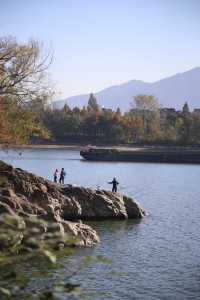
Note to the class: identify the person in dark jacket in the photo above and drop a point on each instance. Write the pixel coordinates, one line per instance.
(114, 183)
(62, 176)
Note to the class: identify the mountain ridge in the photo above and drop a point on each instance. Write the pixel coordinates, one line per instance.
(171, 91)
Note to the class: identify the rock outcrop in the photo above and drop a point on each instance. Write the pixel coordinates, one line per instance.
(26, 194)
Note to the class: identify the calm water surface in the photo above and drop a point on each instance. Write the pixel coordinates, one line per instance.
(155, 258)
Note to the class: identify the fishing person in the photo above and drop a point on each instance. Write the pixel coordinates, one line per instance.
(62, 176)
(114, 183)
(55, 176)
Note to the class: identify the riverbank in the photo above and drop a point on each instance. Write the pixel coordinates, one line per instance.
(67, 147)
(41, 146)
(101, 146)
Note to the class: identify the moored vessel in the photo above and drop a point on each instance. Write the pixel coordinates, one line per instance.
(143, 154)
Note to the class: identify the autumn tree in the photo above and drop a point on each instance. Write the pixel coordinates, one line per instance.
(24, 87)
(147, 107)
(23, 70)
(146, 102)
(133, 127)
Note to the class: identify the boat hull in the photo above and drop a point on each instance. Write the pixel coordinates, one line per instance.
(183, 156)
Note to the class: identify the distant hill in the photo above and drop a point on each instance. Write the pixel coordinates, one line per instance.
(171, 92)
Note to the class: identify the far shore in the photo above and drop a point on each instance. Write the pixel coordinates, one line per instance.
(63, 147)
(41, 146)
(79, 147)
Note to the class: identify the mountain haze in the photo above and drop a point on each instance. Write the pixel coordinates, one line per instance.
(171, 92)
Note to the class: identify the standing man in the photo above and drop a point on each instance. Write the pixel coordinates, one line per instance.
(62, 176)
(115, 183)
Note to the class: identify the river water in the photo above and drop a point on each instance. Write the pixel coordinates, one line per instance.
(155, 258)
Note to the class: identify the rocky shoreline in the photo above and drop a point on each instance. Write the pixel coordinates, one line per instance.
(26, 195)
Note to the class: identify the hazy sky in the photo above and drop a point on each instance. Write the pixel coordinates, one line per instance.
(98, 43)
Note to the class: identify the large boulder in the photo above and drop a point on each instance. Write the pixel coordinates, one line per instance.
(26, 194)
(88, 204)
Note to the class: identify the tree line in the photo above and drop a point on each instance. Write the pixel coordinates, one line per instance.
(25, 116)
(144, 123)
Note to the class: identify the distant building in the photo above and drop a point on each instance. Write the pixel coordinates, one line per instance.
(196, 111)
(166, 114)
(107, 110)
(168, 110)
(142, 112)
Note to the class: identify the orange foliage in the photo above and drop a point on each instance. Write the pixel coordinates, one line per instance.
(5, 135)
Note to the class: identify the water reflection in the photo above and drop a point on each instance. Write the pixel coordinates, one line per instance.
(116, 226)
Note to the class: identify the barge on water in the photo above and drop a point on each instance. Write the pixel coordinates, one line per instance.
(145, 154)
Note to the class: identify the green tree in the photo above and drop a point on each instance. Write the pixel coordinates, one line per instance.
(195, 130)
(92, 103)
(186, 109)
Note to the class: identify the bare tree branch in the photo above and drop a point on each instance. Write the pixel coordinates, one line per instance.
(23, 69)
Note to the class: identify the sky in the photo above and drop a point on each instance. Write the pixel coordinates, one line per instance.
(99, 43)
